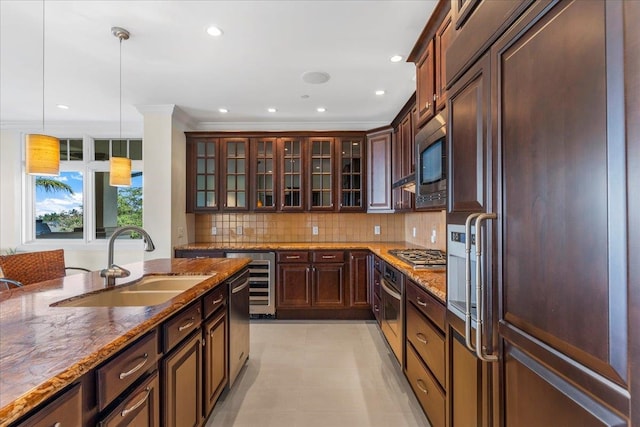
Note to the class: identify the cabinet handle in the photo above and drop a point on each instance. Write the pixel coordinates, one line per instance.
(138, 403)
(427, 105)
(293, 256)
(201, 257)
(467, 281)
(435, 96)
(328, 256)
(421, 338)
(186, 325)
(420, 302)
(136, 368)
(376, 308)
(218, 301)
(479, 290)
(422, 386)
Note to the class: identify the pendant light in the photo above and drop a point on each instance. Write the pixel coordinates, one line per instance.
(43, 151)
(120, 167)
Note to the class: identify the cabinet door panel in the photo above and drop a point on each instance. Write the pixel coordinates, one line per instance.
(321, 157)
(294, 287)
(65, 410)
(328, 285)
(468, 124)
(141, 408)
(292, 178)
(235, 173)
(351, 155)
(442, 40)
(182, 389)
(359, 279)
(425, 81)
(379, 177)
(264, 176)
(202, 178)
(215, 359)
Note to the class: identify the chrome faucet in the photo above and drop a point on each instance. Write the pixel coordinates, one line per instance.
(113, 271)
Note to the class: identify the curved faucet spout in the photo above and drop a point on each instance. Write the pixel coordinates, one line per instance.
(113, 271)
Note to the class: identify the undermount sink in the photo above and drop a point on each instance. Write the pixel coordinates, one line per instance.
(148, 291)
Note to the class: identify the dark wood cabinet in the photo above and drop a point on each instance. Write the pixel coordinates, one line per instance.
(294, 285)
(431, 397)
(461, 9)
(467, 145)
(292, 177)
(182, 385)
(321, 174)
(140, 407)
(359, 295)
(377, 265)
(264, 182)
(379, 166)
(403, 158)
(234, 174)
(215, 349)
(351, 174)
(425, 83)
(64, 410)
(328, 285)
(202, 174)
(442, 40)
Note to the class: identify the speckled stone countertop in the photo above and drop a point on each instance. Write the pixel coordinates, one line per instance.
(433, 280)
(44, 348)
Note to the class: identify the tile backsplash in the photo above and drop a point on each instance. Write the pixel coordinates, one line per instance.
(331, 227)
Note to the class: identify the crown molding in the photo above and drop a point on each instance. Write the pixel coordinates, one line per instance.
(288, 126)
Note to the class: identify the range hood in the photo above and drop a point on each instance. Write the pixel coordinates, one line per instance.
(407, 183)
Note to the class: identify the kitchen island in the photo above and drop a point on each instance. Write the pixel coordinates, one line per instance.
(43, 349)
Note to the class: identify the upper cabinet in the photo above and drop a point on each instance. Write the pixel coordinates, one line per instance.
(266, 173)
(379, 164)
(425, 83)
(442, 40)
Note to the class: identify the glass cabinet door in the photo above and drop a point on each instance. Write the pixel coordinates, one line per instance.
(235, 173)
(291, 174)
(321, 160)
(351, 174)
(263, 163)
(206, 156)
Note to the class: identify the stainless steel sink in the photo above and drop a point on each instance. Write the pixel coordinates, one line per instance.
(148, 291)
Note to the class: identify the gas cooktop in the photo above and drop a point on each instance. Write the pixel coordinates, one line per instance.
(421, 258)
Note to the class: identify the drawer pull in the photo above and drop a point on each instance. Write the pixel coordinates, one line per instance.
(186, 325)
(293, 257)
(420, 302)
(376, 308)
(136, 368)
(218, 301)
(421, 338)
(422, 386)
(328, 256)
(139, 403)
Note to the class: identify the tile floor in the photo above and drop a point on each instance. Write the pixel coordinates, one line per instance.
(307, 374)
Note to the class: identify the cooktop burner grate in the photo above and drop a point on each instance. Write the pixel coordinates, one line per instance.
(421, 258)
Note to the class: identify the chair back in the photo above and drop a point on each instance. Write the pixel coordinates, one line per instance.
(33, 267)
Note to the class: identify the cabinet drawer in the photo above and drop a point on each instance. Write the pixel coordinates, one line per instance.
(180, 326)
(378, 264)
(213, 300)
(429, 394)
(141, 407)
(428, 342)
(376, 283)
(124, 369)
(293, 256)
(428, 305)
(328, 256)
(63, 411)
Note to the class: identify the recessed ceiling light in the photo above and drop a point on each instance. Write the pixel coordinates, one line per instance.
(62, 106)
(321, 109)
(223, 110)
(214, 31)
(271, 110)
(395, 58)
(379, 92)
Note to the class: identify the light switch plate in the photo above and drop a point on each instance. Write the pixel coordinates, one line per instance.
(376, 229)
(314, 230)
(214, 231)
(239, 230)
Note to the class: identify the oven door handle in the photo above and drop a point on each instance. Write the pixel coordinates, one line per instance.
(467, 287)
(479, 290)
(390, 291)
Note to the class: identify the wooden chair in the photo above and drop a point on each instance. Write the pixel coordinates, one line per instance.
(22, 269)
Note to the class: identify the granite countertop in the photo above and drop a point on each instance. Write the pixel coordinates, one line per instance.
(432, 280)
(43, 348)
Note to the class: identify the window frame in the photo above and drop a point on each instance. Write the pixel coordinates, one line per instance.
(88, 167)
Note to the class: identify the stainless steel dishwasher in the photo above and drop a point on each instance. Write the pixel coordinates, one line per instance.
(238, 324)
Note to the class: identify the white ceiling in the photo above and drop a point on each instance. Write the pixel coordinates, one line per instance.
(170, 59)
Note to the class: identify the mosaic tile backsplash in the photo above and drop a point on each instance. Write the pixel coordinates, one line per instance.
(299, 227)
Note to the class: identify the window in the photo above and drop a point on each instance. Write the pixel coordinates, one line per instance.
(79, 204)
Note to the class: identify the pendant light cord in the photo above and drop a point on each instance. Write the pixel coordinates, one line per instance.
(120, 89)
(43, 131)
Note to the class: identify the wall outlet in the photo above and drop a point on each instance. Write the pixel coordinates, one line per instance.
(314, 230)
(434, 235)
(413, 232)
(239, 230)
(214, 231)
(376, 229)
(180, 232)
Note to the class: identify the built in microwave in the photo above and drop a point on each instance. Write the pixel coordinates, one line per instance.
(431, 163)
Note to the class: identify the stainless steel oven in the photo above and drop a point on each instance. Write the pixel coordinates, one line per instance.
(392, 313)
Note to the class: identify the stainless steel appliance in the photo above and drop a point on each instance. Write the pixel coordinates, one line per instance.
(421, 258)
(391, 310)
(431, 163)
(261, 282)
(238, 324)
(458, 258)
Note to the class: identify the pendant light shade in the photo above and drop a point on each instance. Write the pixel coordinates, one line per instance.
(42, 151)
(43, 155)
(120, 172)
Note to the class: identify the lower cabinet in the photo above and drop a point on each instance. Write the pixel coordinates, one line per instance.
(64, 410)
(140, 408)
(215, 345)
(181, 385)
(358, 279)
(426, 388)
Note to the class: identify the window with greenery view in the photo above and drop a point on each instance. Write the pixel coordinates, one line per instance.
(80, 203)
